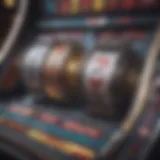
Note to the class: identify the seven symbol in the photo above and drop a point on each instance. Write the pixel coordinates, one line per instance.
(102, 61)
(97, 78)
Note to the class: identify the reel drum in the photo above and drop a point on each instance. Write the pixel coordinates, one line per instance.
(59, 76)
(32, 63)
(110, 77)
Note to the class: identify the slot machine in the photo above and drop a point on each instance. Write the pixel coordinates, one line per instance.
(79, 79)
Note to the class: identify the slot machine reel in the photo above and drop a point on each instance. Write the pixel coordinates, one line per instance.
(72, 74)
(31, 63)
(53, 72)
(110, 77)
(61, 71)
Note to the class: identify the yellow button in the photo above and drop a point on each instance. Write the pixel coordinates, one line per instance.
(64, 146)
(36, 135)
(72, 148)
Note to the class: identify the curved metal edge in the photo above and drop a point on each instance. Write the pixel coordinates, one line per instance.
(16, 28)
(138, 104)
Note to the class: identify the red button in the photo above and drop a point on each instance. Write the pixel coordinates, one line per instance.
(48, 118)
(79, 128)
